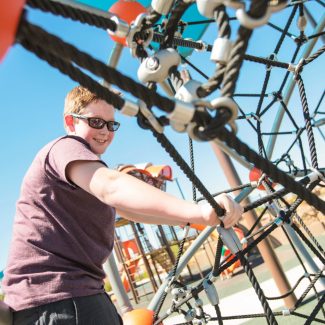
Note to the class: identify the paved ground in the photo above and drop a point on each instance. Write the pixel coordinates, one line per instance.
(237, 296)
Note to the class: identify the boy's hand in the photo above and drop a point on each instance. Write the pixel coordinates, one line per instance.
(233, 211)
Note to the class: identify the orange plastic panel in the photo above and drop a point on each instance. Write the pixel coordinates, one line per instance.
(254, 175)
(138, 317)
(163, 171)
(127, 11)
(10, 12)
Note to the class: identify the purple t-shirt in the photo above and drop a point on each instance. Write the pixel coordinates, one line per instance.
(62, 235)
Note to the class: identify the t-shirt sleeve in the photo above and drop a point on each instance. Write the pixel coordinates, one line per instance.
(65, 151)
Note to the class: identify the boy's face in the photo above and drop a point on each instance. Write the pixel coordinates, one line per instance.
(98, 139)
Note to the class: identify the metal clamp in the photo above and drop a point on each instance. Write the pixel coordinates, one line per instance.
(230, 239)
(122, 28)
(190, 315)
(130, 108)
(183, 112)
(150, 117)
(221, 50)
(179, 293)
(204, 47)
(301, 23)
(187, 92)
(230, 104)
(211, 292)
(207, 7)
(249, 22)
(136, 27)
(162, 7)
(156, 68)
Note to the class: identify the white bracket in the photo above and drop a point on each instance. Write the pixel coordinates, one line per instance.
(156, 68)
(230, 239)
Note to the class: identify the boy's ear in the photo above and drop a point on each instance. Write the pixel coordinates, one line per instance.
(69, 122)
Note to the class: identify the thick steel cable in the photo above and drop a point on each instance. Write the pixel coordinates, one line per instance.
(309, 129)
(74, 73)
(75, 14)
(309, 244)
(224, 32)
(266, 166)
(315, 55)
(267, 309)
(309, 233)
(172, 23)
(302, 265)
(257, 9)
(316, 310)
(311, 285)
(70, 53)
(171, 150)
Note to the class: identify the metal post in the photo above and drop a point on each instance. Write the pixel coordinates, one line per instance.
(310, 262)
(122, 298)
(289, 90)
(264, 246)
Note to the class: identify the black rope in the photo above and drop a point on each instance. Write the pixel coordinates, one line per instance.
(215, 80)
(309, 244)
(161, 138)
(267, 309)
(172, 22)
(309, 129)
(75, 14)
(60, 48)
(267, 167)
(75, 74)
(257, 9)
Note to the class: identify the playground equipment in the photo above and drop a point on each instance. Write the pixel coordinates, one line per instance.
(137, 255)
(193, 112)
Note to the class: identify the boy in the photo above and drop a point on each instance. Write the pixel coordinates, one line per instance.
(64, 225)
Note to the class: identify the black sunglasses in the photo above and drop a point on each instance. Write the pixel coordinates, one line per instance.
(99, 123)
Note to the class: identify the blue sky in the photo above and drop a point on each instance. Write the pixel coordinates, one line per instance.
(32, 96)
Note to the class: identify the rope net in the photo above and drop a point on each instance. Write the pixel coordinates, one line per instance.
(282, 139)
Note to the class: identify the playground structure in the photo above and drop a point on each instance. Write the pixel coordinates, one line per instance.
(136, 254)
(213, 120)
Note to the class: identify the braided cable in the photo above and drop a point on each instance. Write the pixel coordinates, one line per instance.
(267, 167)
(74, 73)
(309, 233)
(315, 55)
(309, 244)
(215, 80)
(311, 284)
(267, 309)
(75, 14)
(309, 129)
(190, 142)
(257, 9)
(161, 138)
(313, 314)
(171, 26)
(111, 75)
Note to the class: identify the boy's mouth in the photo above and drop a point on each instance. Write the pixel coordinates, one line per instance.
(101, 141)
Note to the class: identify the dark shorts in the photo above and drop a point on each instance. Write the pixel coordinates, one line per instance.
(90, 310)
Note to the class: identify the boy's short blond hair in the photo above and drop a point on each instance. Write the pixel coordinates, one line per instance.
(77, 99)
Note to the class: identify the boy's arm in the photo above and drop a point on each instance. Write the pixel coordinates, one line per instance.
(127, 193)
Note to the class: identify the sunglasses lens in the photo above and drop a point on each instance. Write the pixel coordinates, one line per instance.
(96, 123)
(113, 126)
